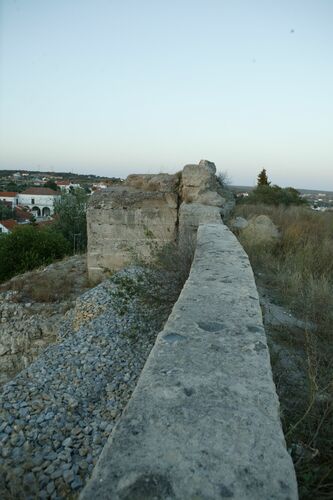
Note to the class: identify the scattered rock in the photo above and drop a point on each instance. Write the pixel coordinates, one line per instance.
(57, 414)
(27, 327)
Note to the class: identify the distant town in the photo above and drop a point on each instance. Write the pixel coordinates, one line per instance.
(27, 196)
(31, 196)
(317, 200)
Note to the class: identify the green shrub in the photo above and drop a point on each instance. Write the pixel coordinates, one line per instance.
(5, 212)
(71, 219)
(274, 195)
(28, 247)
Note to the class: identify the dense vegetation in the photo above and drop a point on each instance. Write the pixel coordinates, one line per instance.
(51, 184)
(5, 212)
(265, 193)
(71, 219)
(298, 271)
(274, 195)
(29, 246)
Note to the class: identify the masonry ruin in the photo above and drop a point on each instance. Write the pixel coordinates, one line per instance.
(149, 210)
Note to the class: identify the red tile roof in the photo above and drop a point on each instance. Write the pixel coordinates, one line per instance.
(21, 213)
(9, 223)
(42, 190)
(7, 194)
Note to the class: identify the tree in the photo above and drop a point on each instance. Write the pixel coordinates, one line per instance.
(12, 186)
(71, 218)
(51, 185)
(5, 212)
(274, 195)
(224, 179)
(262, 179)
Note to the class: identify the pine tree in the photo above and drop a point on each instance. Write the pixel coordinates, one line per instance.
(262, 179)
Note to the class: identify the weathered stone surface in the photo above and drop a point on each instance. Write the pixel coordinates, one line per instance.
(191, 215)
(124, 222)
(210, 198)
(129, 220)
(199, 184)
(127, 196)
(203, 421)
(261, 229)
(165, 183)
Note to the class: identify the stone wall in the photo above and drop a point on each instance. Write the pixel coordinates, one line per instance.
(203, 421)
(149, 210)
(124, 222)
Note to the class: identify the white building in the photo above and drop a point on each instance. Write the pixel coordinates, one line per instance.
(67, 185)
(99, 186)
(40, 201)
(8, 196)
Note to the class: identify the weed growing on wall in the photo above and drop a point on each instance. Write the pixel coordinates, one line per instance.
(28, 247)
(152, 287)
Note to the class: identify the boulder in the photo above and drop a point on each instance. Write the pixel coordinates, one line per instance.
(239, 223)
(199, 184)
(261, 229)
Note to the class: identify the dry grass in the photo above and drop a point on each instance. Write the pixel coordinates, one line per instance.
(300, 264)
(59, 282)
(299, 270)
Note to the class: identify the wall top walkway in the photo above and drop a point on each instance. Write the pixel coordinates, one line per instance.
(203, 421)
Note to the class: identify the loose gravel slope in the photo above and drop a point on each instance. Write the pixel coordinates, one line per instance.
(56, 415)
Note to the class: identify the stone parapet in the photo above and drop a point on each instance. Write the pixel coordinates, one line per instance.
(203, 421)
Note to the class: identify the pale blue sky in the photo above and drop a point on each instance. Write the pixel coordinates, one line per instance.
(116, 87)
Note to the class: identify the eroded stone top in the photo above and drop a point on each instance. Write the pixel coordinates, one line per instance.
(200, 185)
(128, 196)
(165, 183)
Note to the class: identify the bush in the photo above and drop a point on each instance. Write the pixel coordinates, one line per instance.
(274, 195)
(28, 247)
(5, 212)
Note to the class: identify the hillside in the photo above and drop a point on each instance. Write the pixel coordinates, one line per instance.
(32, 306)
